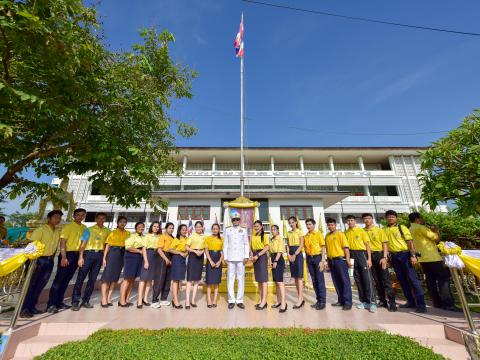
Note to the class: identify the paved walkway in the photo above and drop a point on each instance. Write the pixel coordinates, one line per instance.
(69, 325)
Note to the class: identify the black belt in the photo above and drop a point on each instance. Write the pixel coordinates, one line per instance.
(117, 247)
(314, 255)
(94, 251)
(214, 251)
(338, 258)
(47, 257)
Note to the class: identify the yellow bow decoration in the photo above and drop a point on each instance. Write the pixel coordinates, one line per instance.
(33, 251)
(457, 250)
(472, 264)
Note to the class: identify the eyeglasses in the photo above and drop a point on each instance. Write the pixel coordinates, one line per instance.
(235, 219)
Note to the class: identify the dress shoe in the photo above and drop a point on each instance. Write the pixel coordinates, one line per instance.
(209, 306)
(63, 306)
(241, 305)
(187, 307)
(123, 305)
(337, 304)
(299, 306)
(231, 305)
(194, 305)
(52, 309)
(146, 303)
(87, 305)
(35, 311)
(261, 307)
(277, 305)
(26, 314)
(407, 306)
(382, 304)
(320, 306)
(75, 307)
(421, 310)
(110, 304)
(104, 305)
(284, 309)
(139, 306)
(347, 307)
(314, 306)
(180, 306)
(392, 307)
(214, 305)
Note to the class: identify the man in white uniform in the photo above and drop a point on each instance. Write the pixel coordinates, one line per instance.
(236, 250)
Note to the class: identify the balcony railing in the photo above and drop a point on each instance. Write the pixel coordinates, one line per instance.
(261, 173)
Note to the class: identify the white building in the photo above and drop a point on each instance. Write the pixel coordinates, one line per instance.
(305, 182)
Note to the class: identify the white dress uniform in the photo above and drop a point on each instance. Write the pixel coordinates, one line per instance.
(236, 248)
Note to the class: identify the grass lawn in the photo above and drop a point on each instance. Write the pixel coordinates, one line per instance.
(255, 343)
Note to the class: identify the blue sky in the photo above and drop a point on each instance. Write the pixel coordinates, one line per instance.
(314, 80)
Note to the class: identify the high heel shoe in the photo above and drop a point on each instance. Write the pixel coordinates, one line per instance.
(146, 303)
(104, 306)
(261, 307)
(139, 306)
(299, 306)
(180, 306)
(187, 307)
(194, 305)
(284, 309)
(123, 305)
(277, 305)
(109, 304)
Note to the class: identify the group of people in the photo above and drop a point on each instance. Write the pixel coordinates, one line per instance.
(162, 260)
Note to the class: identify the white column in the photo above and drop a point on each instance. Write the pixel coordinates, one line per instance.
(272, 163)
(184, 166)
(330, 161)
(302, 165)
(391, 161)
(360, 163)
(214, 163)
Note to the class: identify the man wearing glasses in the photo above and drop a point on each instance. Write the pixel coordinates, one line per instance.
(236, 250)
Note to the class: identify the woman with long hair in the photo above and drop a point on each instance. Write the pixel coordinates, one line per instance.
(179, 264)
(150, 263)
(196, 249)
(295, 257)
(113, 260)
(259, 248)
(277, 248)
(214, 254)
(134, 246)
(161, 284)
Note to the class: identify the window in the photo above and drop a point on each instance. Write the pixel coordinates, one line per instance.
(372, 166)
(287, 167)
(355, 190)
(289, 187)
(134, 217)
(347, 166)
(195, 212)
(316, 167)
(199, 166)
(319, 188)
(258, 166)
(383, 191)
(197, 187)
(258, 187)
(91, 216)
(300, 212)
(168, 188)
(227, 166)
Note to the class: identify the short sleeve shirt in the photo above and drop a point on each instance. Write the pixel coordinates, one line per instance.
(134, 241)
(213, 243)
(164, 241)
(336, 243)
(377, 238)
(277, 245)
(150, 241)
(72, 233)
(179, 244)
(357, 237)
(425, 241)
(294, 237)
(313, 243)
(95, 237)
(397, 242)
(258, 243)
(117, 237)
(196, 241)
(48, 237)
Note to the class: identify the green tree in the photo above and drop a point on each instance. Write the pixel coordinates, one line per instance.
(68, 104)
(19, 219)
(451, 168)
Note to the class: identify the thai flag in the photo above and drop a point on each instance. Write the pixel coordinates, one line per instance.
(190, 226)
(238, 43)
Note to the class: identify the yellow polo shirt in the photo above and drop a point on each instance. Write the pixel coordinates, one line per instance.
(196, 241)
(179, 244)
(396, 242)
(425, 241)
(294, 237)
(48, 237)
(336, 243)
(72, 233)
(258, 243)
(134, 241)
(377, 237)
(117, 237)
(277, 245)
(313, 243)
(164, 241)
(150, 241)
(357, 237)
(95, 237)
(213, 243)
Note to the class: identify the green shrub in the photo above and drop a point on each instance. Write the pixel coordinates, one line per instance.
(254, 343)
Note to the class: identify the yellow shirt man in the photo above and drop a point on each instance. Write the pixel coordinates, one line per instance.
(277, 245)
(196, 241)
(357, 237)
(397, 242)
(213, 243)
(313, 243)
(95, 237)
(377, 238)
(258, 243)
(425, 241)
(72, 233)
(47, 236)
(117, 238)
(336, 242)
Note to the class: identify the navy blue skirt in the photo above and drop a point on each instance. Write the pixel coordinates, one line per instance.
(277, 273)
(133, 263)
(214, 275)
(260, 267)
(194, 267)
(296, 268)
(114, 264)
(153, 259)
(179, 267)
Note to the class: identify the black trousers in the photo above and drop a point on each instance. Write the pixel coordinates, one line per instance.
(437, 278)
(62, 278)
(161, 284)
(381, 276)
(362, 276)
(91, 267)
(39, 280)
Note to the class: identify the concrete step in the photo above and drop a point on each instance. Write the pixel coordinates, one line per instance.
(80, 329)
(37, 345)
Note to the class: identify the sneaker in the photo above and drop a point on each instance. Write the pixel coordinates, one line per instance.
(231, 305)
(362, 306)
(165, 303)
(52, 309)
(75, 307)
(87, 305)
(372, 308)
(63, 306)
(156, 305)
(382, 304)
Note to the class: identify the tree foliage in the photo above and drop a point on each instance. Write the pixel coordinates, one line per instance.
(451, 168)
(68, 104)
(19, 219)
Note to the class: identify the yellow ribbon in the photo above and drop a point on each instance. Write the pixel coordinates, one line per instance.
(32, 251)
(471, 264)
(457, 250)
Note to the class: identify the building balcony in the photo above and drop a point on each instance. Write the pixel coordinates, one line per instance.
(306, 173)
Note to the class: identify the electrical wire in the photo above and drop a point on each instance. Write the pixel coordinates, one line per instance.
(357, 18)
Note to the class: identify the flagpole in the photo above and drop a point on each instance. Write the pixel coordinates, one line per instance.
(242, 163)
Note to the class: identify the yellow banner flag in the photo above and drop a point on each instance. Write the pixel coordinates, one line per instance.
(284, 228)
